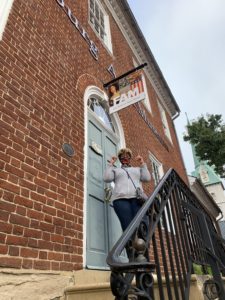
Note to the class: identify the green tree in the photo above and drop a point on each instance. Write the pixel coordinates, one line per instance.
(208, 136)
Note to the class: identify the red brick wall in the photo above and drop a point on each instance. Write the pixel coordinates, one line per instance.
(45, 66)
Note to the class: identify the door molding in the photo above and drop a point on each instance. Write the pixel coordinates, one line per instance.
(95, 91)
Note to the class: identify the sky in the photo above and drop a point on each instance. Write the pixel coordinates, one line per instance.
(187, 39)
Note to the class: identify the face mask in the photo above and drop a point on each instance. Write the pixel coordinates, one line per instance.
(125, 160)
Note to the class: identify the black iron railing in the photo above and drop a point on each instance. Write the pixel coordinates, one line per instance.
(170, 232)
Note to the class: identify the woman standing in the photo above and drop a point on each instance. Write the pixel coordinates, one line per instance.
(126, 179)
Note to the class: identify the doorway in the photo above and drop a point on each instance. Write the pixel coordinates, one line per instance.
(103, 227)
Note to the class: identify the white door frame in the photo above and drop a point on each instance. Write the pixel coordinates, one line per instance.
(95, 91)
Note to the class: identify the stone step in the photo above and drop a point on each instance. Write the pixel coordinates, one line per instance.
(90, 284)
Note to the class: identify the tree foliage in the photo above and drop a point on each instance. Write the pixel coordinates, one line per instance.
(208, 136)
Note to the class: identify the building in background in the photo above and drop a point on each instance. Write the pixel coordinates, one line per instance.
(212, 183)
(206, 199)
(57, 135)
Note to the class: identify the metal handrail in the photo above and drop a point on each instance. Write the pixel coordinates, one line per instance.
(185, 233)
(113, 258)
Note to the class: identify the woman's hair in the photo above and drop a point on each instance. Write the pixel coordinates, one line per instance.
(116, 85)
(125, 151)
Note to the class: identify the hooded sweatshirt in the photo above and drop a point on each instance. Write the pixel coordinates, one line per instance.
(124, 188)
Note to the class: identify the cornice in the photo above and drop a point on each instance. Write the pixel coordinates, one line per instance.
(126, 21)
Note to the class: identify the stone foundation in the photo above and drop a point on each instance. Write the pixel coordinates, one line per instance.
(79, 285)
(35, 285)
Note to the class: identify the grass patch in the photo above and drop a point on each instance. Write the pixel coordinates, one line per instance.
(201, 270)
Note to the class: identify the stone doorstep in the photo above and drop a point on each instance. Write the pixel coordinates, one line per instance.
(87, 277)
(95, 285)
(90, 284)
(90, 279)
(80, 285)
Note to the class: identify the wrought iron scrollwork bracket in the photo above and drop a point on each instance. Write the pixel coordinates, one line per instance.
(122, 287)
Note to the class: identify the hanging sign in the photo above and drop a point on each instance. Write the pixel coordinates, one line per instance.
(126, 91)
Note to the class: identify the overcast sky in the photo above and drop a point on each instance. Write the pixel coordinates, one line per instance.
(187, 39)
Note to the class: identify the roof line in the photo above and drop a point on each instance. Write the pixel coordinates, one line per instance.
(147, 48)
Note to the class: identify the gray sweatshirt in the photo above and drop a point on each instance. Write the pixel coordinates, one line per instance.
(124, 187)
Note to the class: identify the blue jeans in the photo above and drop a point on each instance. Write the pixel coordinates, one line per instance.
(126, 209)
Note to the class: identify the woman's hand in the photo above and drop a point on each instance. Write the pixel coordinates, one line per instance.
(112, 160)
(140, 160)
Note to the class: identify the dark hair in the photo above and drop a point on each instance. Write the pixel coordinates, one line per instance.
(116, 84)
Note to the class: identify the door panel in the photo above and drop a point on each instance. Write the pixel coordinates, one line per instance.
(103, 227)
(97, 224)
(110, 147)
(95, 161)
(114, 228)
(115, 231)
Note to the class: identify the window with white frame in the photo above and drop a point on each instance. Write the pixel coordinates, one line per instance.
(100, 22)
(100, 109)
(169, 218)
(164, 122)
(5, 6)
(157, 174)
(146, 101)
(157, 169)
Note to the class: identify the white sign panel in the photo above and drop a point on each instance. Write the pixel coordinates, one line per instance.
(126, 91)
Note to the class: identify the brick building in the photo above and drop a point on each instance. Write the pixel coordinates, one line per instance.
(57, 134)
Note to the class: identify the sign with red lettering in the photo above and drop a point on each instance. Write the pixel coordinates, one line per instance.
(126, 91)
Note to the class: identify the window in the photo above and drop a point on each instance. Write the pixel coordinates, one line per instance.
(204, 176)
(98, 106)
(168, 211)
(5, 6)
(100, 22)
(157, 169)
(164, 122)
(146, 101)
(157, 174)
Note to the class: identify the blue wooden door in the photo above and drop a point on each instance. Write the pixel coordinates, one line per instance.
(103, 228)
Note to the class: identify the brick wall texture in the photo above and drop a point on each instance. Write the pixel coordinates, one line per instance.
(45, 67)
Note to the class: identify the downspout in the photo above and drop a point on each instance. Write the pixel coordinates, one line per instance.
(217, 223)
(221, 217)
(176, 116)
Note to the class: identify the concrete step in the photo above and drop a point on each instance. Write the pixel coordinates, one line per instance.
(95, 285)
(90, 284)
